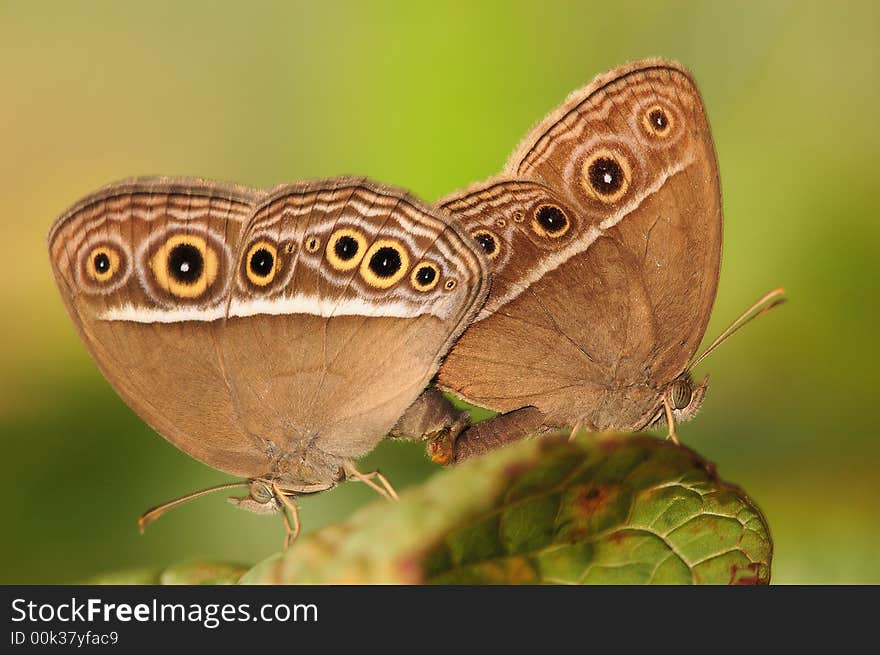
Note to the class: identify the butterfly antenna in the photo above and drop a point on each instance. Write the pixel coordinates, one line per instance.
(763, 305)
(155, 512)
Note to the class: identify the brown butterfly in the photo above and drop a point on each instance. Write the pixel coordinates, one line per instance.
(275, 335)
(604, 237)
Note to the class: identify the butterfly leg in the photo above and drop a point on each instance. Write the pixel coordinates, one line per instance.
(384, 487)
(291, 523)
(670, 423)
(385, 484)
(577, 428)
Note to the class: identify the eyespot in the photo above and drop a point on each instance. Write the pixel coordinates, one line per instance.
(103, 263)
(289, 248)
(384, 263)
(261, 263)
(550, 221)
(488, 242)
(425, 276)
(501, 223)
(345, 249)
(606, 176)
(185, 265)
(450, 284)
(313, 244)
(657, 121)
(519, 216)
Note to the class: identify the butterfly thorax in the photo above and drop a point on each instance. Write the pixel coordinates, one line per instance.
(638, 406)
(303, 467)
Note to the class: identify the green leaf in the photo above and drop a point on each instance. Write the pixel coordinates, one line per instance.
(603, 509)
(189, 573)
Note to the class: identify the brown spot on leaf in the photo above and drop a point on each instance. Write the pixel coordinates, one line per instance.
(752, 576)
(592, 500)
(516, 469)
(611, 440)
(410, 569)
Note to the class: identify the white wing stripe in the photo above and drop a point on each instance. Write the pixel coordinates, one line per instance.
(298, 304)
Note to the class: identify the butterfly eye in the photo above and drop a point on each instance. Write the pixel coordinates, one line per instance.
(657, 121)
(261, 492)
(262, 263)
(345, 249)
(384, 263)
(550, 221)
(488, 242)
(425, 276)
(606, 176)
(680, 393)
(103, 264)
(185, 266)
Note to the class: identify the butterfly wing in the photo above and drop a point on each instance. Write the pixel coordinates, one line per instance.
(359, 289)
(143, 267)
(608, 226)
(519, 352)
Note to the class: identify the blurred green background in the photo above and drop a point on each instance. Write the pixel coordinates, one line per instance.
(432, 96)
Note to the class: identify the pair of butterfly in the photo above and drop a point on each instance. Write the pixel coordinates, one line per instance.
(279, 334)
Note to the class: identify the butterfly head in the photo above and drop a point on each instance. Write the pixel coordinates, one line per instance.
(261, 498)
(267, 495)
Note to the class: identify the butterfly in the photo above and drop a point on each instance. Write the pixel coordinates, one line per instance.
(604, 235)
(275, 335)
